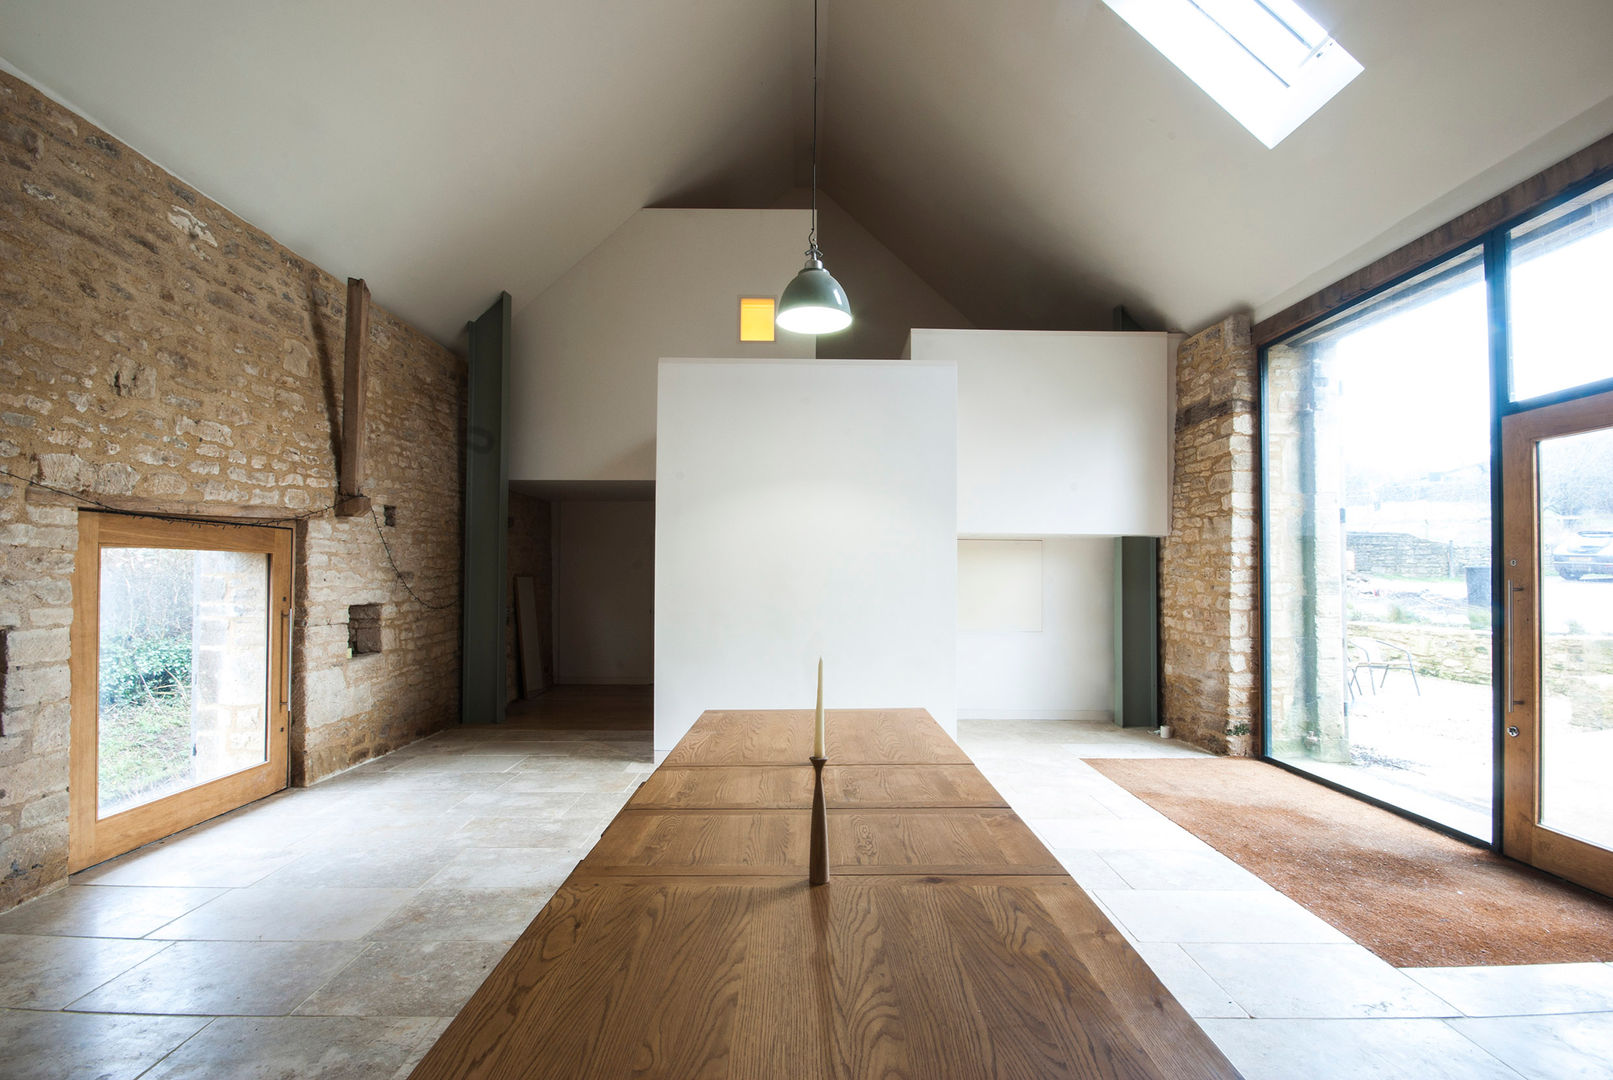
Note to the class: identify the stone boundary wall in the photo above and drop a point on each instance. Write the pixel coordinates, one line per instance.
(159, 352)
(1412, 556)
(1209, 565)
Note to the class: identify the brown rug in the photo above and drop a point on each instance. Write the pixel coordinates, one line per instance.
(1415, 897)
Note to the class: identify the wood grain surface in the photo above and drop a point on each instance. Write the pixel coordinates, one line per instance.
(915, 840)
(765, 787)
(949, 943)
(784, 737)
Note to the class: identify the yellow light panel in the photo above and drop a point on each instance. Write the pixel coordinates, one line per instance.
(756, 318)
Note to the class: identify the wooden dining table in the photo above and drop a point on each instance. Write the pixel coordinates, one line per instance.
(948, 943)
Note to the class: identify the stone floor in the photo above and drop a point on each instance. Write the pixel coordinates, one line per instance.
(331, 932)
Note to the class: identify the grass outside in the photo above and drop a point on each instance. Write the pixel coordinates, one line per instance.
(145, 749)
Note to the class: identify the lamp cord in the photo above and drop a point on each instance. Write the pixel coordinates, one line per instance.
(812, 234)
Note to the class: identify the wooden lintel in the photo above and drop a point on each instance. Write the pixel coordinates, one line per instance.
(353, 506)
(355, 380)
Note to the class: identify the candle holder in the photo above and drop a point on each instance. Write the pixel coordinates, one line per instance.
(819, 872)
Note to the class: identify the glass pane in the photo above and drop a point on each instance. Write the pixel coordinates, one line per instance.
(1561, 273)
(1378, 547)
(1576, 635)
(184, 670)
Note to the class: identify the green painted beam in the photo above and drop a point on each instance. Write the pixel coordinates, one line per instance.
(487, 505)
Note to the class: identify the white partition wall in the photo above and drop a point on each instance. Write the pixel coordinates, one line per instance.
(1059, 433)
(804, 508)
(1036, 628)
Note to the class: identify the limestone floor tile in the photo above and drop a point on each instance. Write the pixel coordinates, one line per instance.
(581, 780)
(407, 978)
(301, 1047)
(1197, 992)
(1182, 869)
(288, 913)
(365, 864)
(49, 972)
(1115, 834)
(1352, 1050)
(125, 911)
(1123, 803)
(1522, 989)
(427, 1041)
(1089, 869)
(242, 978)
(504, 868)
(1186, 916)
(1062, 804)
(556, 836)
(535, 803)
(374, 832)
(87, 1046)
(1341, 982)
(427, 784)
(200, 863)
(458, 763)
(463, 915)
(1566, 1046)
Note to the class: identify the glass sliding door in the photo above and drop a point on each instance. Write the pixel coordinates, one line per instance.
(1378, 547)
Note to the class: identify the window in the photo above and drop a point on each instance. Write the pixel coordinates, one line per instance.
(1561, 272)
(1264, 61)
(1378, 547)
(756, 318)
(180, 687)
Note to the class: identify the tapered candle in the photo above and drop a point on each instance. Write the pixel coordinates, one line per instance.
(817, 738)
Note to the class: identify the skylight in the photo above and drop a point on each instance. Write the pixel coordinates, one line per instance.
(1264, 61)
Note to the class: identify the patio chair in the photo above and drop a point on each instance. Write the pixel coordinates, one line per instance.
(1375, 655)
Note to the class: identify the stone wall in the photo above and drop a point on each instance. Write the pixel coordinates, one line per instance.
(1405, 555)
(159, 353)
(1209, 565)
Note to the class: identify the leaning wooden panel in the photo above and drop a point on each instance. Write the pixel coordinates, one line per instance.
(784, 737)
(863, 978)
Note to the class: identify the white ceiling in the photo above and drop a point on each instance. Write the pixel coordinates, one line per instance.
(1035, 160)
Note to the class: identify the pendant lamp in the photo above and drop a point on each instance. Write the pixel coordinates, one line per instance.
(814, 302)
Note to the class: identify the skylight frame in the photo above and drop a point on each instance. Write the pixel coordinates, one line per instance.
(1255, 77)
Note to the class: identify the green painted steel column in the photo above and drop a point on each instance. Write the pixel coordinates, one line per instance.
(1137, 631)
(482, 691)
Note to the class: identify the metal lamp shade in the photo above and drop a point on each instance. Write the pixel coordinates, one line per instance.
(814, 303)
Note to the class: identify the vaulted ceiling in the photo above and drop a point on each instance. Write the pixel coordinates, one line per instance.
(1035, 160)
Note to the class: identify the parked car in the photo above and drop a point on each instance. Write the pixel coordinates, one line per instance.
(1588, 551)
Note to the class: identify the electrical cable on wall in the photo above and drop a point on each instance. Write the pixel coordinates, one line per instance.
(306, 515)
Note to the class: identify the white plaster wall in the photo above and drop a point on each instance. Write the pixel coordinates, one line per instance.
(1063, 668)
(804, 509)
(584, 351)
(604, 592)
(1059, 433)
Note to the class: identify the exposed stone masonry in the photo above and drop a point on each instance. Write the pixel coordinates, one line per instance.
(1209, 565)
(159, 353)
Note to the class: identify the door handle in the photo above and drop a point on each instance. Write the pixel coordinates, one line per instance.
(285, 657)
(1512, 697)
